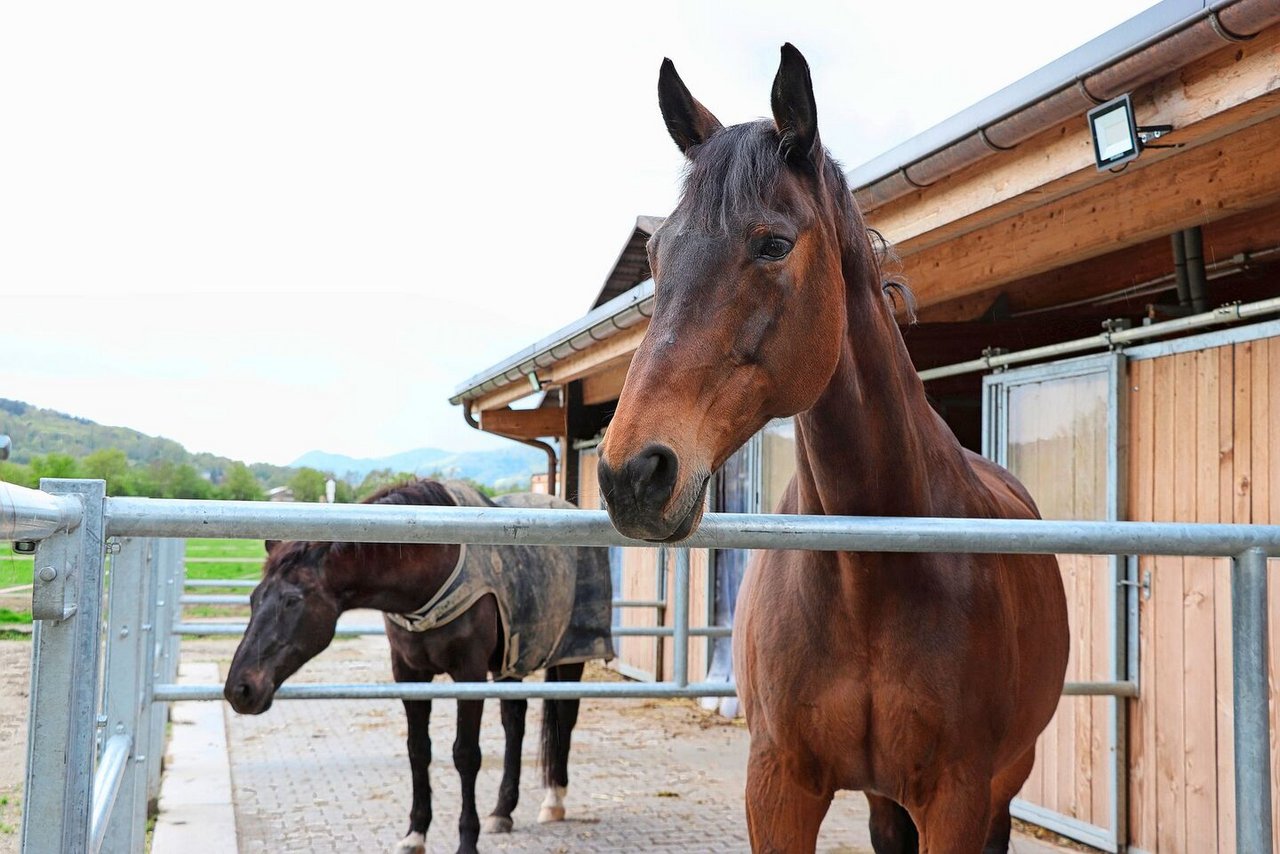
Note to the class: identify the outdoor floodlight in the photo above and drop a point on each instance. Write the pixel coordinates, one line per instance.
(1117, 139)
(536, 383)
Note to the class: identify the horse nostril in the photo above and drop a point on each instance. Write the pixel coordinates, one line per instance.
(653, 476)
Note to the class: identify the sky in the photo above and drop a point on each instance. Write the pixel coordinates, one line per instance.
(261, 229)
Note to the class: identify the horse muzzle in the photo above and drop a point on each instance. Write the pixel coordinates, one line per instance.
(643, 500)
(249, 693)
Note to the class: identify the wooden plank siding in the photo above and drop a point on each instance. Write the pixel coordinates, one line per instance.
(1202, 428)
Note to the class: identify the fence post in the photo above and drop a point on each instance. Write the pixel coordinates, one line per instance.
(680, 652)
(1249, 686)
(167, 572)
(127, 695)
(67, 606)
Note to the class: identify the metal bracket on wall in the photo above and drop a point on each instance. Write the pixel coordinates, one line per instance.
(989, 353)
(1144, 586)
(1112, 325)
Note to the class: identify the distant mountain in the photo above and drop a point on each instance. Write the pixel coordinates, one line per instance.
(37, 432)
(498, 468)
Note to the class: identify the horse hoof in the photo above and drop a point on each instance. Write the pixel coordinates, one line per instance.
(497, 824)
(549, 814)
(414, 843)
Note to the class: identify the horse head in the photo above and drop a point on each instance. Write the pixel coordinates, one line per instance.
(749, 317)
(292, 619)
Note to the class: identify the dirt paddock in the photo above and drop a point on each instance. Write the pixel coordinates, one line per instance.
(332, 776)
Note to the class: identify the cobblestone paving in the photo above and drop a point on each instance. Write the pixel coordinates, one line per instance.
(645, 775)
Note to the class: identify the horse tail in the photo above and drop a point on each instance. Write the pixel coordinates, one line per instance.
(551, 715)
(558, 720)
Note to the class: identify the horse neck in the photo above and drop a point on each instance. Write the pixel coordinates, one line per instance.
(390, 577)
(871, 445)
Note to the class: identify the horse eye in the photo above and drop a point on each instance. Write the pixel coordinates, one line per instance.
(774, 248)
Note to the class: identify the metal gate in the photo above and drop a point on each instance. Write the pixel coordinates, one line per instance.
(83, 750)
(1059, 428)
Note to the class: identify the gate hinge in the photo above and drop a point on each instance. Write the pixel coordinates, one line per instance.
(1145, 586)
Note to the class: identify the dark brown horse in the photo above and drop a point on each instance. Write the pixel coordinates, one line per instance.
(306, 585)
(922, 680)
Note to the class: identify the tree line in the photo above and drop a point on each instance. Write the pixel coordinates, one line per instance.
(167, 479)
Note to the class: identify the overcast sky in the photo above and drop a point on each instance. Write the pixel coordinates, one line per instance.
(264, 228)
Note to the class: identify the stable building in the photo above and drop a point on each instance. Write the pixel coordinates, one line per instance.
(1095, 253)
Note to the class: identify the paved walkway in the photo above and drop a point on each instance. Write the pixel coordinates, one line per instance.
(645, 775)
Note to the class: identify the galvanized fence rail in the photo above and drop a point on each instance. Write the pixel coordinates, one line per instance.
(89, 742)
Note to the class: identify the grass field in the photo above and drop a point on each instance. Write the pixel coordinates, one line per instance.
(206, 560)
(15, 569)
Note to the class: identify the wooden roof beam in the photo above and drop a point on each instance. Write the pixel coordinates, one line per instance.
(1192, 187)
(1219, 94)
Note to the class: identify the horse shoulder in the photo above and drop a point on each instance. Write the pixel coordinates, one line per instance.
(1012, 499)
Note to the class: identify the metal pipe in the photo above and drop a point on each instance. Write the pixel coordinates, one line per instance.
(106, 786)
(532, 443)
(1196, 288)
(237, 599)
(1179, 241)
(215, 583)
(1100, 689)
(181, 518)
(1106, 340)
(532, 690)
(237, 629)
(1250, 696)
(29, 514)
(680, 645)
(462, 691)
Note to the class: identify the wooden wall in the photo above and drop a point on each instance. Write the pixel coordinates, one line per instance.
(1204, 446)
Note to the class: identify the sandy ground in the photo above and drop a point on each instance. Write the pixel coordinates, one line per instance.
(658, 772)
(15, 666)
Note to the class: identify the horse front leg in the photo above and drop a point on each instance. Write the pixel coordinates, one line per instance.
(892, 830)
(418, 713)
(559, 717)
(783, 814)
(466, 758)
(957, 817)
(513, 715)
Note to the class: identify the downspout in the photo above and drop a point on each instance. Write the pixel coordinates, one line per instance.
(1195, 270)
(1179, 239)
(532, 443)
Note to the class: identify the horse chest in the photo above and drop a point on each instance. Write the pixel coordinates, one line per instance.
(859, 694)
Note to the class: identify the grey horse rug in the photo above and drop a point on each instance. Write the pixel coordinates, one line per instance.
(555, 602)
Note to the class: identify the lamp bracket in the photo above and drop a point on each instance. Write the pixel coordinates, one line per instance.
(1150, 133)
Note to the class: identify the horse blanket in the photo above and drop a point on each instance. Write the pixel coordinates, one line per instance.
(554, 602)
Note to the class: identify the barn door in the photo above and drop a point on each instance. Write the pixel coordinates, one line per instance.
(1058, 428)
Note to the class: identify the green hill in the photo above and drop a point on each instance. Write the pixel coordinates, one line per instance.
(38, 432)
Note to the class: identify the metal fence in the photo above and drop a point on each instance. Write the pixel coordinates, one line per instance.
(95, 732)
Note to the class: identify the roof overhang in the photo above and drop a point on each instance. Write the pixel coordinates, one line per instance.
(1007, 191)
(1148, 46)
(552, 359)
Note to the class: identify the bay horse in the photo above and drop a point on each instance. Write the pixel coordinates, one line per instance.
(306, 585)
(922, 680)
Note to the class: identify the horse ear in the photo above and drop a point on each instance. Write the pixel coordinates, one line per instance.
(270, 544)
(688, 122)
(794, 110)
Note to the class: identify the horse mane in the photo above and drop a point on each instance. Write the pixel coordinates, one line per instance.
(419, 491)
(730, 175)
